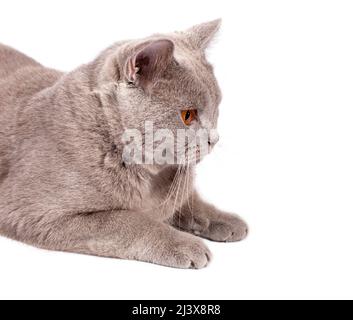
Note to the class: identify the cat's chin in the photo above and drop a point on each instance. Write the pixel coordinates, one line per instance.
(157, 169)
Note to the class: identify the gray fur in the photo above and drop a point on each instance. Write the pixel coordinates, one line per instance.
(63, 184)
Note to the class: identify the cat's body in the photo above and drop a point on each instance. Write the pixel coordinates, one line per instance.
(63, 183)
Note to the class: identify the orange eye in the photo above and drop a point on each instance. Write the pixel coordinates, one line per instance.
(188, 116)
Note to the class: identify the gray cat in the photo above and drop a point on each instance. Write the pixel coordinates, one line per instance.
(64, 184)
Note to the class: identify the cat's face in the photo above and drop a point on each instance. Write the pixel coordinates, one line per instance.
(168, 82)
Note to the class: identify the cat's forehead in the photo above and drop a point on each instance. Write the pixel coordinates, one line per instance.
(190, 80)
(189, 87)
(198, 70)
(199, 84)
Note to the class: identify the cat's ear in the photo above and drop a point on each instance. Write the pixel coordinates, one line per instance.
(201, 35)
(149, 63)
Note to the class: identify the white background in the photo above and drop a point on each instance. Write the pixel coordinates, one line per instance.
(285, 162)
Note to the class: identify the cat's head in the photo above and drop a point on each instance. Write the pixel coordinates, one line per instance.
(165, 80)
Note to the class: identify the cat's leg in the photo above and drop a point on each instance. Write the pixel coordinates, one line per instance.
(204, 220)
(125, 235)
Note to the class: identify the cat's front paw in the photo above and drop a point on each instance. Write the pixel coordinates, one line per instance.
(225, 228)
(191, 253)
